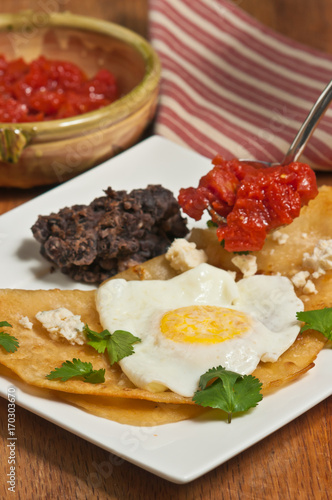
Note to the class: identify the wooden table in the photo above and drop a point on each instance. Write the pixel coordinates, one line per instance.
(292, 463)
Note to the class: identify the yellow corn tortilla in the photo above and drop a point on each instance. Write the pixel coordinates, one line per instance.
(117, 398)
(38, 354)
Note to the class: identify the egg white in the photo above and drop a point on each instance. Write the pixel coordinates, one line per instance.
(160, 363)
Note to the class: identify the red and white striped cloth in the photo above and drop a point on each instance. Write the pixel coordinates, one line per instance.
(233, 86)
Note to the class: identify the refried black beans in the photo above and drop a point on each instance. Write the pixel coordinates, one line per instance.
(91, 243)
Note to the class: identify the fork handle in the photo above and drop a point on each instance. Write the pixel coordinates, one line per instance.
(308, 126)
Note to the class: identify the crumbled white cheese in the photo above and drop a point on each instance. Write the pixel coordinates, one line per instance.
(62, 323)
(309, 287)
(183, 255)
(315, 264)
(280, 237)
(300, 278)
(24, 321)
(246, 263)
(320, 260)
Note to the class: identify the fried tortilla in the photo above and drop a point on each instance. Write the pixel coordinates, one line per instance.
(118, 399)
(38, 355)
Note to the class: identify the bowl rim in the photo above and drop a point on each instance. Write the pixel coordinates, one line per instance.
(110, 114)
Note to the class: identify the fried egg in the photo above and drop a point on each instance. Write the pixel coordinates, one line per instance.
(198, 320)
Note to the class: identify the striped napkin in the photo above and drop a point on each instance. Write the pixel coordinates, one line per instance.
(233, 86)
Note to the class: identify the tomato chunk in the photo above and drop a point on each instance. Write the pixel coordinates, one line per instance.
(49, 90)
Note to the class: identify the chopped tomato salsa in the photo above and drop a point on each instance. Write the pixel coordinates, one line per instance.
(247, 202)
(49, 90)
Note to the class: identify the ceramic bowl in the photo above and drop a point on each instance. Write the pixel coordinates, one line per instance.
(54, 151)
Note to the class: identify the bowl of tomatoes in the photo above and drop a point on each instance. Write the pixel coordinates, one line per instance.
(74, 91)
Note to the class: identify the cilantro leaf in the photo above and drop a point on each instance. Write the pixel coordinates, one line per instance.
(118, 344)
(97, 340)
(319, 319)
(229, 391)
(8, 341)
(5, 323)
(78, 368)
(210, 223)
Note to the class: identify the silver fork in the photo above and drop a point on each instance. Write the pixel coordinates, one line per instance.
(305, 132)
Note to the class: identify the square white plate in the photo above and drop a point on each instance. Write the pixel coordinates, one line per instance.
(179, 452)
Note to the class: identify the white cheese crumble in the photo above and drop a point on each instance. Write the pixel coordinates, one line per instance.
(320, 260)
(299, 279)
(25, 322)
(280, 237)
(309, 287)
(183, 255)
(62, 323)
(246, 263)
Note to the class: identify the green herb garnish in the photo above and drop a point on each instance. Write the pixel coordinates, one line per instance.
(230, 391)
(78, 368)
(7, 341)
(210, 223)
(319, 319)
(117, 344)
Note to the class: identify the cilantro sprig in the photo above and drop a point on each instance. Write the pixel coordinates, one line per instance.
(118, 344)
(8, 341)
(318, 319)
(78, 368)
(210, 223)
(229, 391)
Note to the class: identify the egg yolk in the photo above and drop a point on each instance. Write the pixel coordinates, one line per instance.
(203, 324)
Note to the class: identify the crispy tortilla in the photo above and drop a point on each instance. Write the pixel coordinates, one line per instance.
(117, 398)
(38, 354)
(134, 411)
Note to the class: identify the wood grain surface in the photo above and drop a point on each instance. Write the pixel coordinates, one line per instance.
(292, 463)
